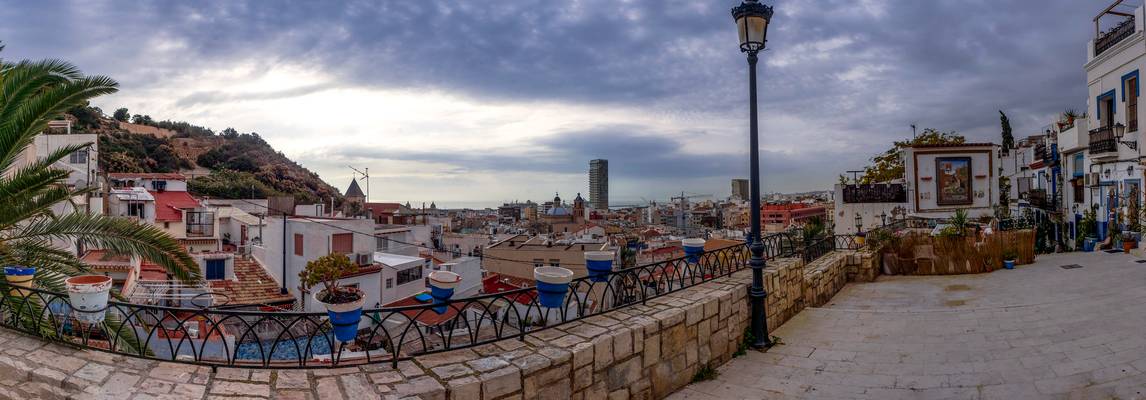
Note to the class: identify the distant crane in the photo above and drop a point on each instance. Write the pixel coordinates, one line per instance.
(681, 221)
(366, 176)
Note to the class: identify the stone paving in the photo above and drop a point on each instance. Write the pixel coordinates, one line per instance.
(1036, 332)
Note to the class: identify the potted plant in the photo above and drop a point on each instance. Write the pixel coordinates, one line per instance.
(552, 285)
(600, 264)
(860, 238)
(343, 304)
(19, 276)
(442, 285)
(693, 248)
(1009, 257)
(1127, 241)
(88, 295)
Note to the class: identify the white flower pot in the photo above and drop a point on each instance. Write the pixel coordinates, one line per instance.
(88, 295)
(553, 275)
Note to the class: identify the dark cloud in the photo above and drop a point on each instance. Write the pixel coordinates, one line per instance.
(855, 72)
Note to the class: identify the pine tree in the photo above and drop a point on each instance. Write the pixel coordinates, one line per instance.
(1008, 138)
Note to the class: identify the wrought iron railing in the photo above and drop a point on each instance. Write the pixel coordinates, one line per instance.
(878, 193)
(1108, 39)
(1102, 140)
(259, 339)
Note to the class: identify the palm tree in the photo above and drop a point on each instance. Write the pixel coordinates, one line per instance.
(32, 93)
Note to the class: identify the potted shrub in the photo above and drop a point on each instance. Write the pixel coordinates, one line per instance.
(343, 304)
(693, 248)
(442, 285)
(600, 264)
(552, 285)
(1009, 257)
(1127, 241)
(19, 276)
(88, 295)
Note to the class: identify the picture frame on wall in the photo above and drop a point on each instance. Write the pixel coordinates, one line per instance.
(953, 182)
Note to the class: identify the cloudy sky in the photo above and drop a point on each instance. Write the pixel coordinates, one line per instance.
(477, 102)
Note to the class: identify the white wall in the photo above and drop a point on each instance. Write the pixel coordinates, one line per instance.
(922, 178)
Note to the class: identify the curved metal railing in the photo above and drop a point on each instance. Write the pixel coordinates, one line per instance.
(260, 339)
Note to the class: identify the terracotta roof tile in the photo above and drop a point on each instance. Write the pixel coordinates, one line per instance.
(252, 286)
(168, 205)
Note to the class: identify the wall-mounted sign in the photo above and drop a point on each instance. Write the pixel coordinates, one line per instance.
(953, 182)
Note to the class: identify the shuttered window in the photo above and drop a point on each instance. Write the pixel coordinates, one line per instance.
(298, 244)
(342, 243)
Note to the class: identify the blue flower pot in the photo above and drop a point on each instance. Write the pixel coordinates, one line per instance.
(552, 285)
(599, 264)
(1088, 244)
(1009, 264)
(441, 295)
(19, 276)
(344, 317)
(693, 248)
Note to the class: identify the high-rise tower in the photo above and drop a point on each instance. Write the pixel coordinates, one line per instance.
(599, 184)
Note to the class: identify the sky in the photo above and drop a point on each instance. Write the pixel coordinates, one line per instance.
(478, 102)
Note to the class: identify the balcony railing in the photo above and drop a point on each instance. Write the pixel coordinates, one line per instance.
(1041, 152)
(879, 193)
(258, 339)
(1110, 38)
(1102, 141)
(1038, 199)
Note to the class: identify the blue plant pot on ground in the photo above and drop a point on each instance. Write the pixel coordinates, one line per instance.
(693, 248)
(1009, 264)
(1088, 244)
(552, 285)
(599, 264)
(344, 317)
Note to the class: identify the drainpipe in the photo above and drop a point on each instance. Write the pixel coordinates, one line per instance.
(283, 290)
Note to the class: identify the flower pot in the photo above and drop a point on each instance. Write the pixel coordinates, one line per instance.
(344, 316)
(693, 248)
(552, 285)
(19, 277)
(860, 239)
(1128, 245)
(1088, 244)
(599, 264)
(1009, 264)
(87, 295)
(442, 285)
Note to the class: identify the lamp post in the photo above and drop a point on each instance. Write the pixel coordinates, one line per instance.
(752, 20)
(883, 218)
(859, 223)
(1119, 132)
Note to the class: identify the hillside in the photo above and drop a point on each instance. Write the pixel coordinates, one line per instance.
(226, 165)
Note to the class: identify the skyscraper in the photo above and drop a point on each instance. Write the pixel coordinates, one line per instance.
(740, 189)
(599, 184)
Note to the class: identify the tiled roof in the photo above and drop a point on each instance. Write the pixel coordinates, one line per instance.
(252, 286)
(496, 283)
(354, 190)
(169, 204)
(172, 176)
(102, 260)
(423, 316)
(943, 145)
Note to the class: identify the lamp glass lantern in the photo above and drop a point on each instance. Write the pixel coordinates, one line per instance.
(752, 24)
(1119, 130)
(859, 222)
(883, 218)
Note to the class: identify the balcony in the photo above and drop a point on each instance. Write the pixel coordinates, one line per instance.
(1108, 39)
(1103, 144)
(1038, 198)
(883, 193)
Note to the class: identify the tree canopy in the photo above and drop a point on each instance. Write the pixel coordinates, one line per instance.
(889, 164)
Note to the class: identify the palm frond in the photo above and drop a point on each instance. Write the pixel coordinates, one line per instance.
(24, 117)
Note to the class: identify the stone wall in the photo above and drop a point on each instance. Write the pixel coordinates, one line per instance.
(641, 352)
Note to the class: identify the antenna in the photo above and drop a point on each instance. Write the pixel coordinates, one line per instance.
(365, 175)
(913, 131)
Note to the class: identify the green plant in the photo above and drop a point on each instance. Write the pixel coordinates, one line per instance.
(959, 221)
(777, 341)
(813, 230)
(705, 373)
(32, 93)
(1010, 254)
(745, 343)
(327, 270)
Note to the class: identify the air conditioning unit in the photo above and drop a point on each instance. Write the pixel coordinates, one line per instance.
(365, 258)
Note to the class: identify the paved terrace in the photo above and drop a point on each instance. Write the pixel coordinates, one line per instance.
(1037, 332)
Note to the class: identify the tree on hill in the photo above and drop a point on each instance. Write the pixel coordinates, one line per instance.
(889, 164)
(1008, 137)
(121, 115)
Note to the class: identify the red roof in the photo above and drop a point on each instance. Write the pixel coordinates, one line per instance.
(945, 145)
(172, 176)
(168, 205)
(252, 286)
(423, 315)
(102, 260)
(150, 271)
(495, 283)
(382, 208)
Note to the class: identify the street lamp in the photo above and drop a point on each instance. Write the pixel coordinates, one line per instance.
(752, 20)
(859, 223)
(883, 218)
(1119, 132)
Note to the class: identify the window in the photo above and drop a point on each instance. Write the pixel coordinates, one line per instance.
(136, 210)
(389, 283)
(1078, 164)
(556, 262)
(538, 262)
(383, 243)
(200, 223)
(158, 186)
(216, 269)
(298, 244)
(1024, 185)
(1079, 190)
(78, 157)
(1131, 91)
(409, 275)
(342, 243)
